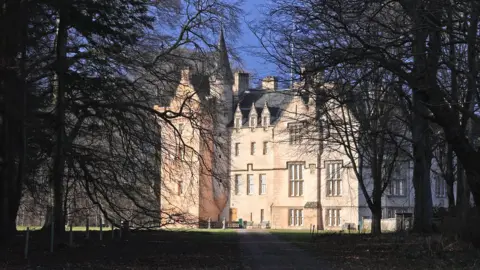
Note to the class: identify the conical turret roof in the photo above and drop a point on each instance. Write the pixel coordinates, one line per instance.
(224, 71)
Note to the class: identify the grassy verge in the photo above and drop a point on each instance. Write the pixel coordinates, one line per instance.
(75, 229)
(192, 249)
(388, 251)
(202, 230)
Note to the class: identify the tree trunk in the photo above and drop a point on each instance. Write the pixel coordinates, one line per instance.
(59, 155)
(452, 65)
(450, 180)
(376, 207)
(423, 212)
(463, 189)
(5, 219)
(376, 219)
(11, 25)
(462, 198)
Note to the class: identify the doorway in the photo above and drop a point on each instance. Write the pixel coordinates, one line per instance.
(233, 214)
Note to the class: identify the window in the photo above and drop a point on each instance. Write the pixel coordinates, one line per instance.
(295, 133)
(295, 217)
(392, 212)
(238, 123)
(252, 148)
(250, 184)
(333, 217)
(238, 183)
(253, 121)
(179, 187)
(263, 184)
(334, 179)
(295, 180)
(237, 149)
(262, 217)
(397, 183)
(265, 148)
(439, 187)
(397, 187)
(265, 121)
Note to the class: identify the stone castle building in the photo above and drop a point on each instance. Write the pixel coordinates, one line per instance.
(239, 154)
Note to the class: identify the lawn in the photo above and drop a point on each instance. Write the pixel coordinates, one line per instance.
(388, 251)
(192, 249)
(75, 229)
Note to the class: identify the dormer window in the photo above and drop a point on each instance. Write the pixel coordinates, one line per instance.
(238, 118)
(238, 123)
(253, 121)
(253, 117)
(265, 116)
(265, 121)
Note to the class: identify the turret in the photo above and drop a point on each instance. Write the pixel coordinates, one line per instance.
(224, 71)
(221, 83)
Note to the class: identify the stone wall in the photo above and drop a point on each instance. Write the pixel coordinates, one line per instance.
(388, 224)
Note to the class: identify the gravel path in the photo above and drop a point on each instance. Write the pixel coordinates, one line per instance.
(262, 250)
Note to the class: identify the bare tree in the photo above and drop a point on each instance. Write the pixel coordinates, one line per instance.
(106, 76)
(394, 36)
(361, 121)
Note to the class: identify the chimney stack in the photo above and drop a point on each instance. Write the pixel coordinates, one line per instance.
(241, 82)
(270, 83)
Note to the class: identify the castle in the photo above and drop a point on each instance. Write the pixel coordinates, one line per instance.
(241, 155)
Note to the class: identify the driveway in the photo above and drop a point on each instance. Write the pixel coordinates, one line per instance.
(262, 250)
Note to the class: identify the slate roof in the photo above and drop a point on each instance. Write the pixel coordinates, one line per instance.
(276, 103)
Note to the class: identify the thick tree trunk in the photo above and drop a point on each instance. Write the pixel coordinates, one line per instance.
(12, 153)
(452, 65)
(13, 157)
(423, 212)
(10, 30)
(376, 206)
(450, 180)
(463, 189)
(7, 168)
(425, 72)
(376, 219)
(57, 182)
(463, 198)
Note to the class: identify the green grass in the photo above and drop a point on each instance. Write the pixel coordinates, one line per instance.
(83, 229)
(342, 250)
(155, 249)
(200, 230)
(32, 228)
(75, 229)
(304, 235)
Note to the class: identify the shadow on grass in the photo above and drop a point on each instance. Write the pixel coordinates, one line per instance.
(387, 251)
(139, 250)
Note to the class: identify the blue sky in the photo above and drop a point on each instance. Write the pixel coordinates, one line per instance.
(248, 42)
